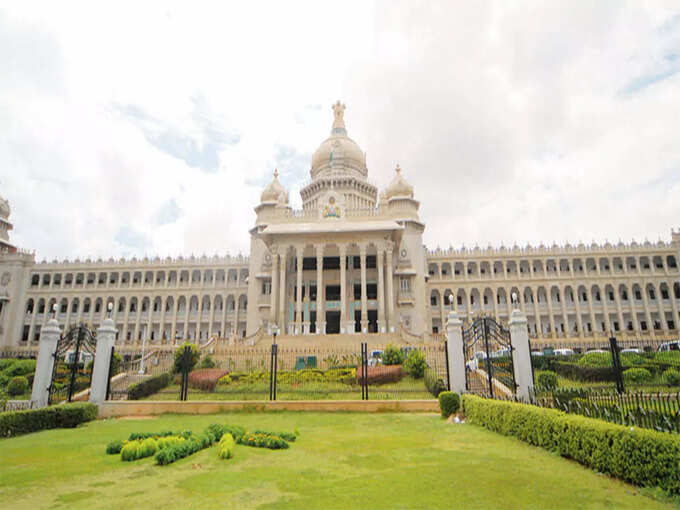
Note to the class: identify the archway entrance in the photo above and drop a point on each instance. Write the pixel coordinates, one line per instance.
(76, 348)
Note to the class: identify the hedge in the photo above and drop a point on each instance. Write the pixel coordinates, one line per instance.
(639, 456)
(205, 379)
(434, 384)
(449, 403)
(15, 423)
(381, 374)
(149, 386)
(584, 373)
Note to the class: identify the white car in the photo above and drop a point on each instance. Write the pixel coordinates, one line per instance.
(599, 351)
(669, 346)
(537, 353)
(564, 352)
(631, 349)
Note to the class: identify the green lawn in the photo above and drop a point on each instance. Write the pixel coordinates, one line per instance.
(340, 460)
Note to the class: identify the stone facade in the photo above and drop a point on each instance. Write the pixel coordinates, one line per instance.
(351, 260)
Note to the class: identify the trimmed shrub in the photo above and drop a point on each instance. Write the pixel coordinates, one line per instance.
(182, 449)
(263, 441)
(671, 377)
(434, 384)
(205, 379)
(584, 373)
(287, 436)
(130, 451)
(17, 386)
(639, 456)
(207, 362)
(223, 381)
(225, 448)
(392, 355)
(381, 374)
(415, 364)
(449, 403)
(181, 364)
(114, 447)
(637, 376)
(149, 386)
(146, 435)
(547, 380)
(219, 430)
(16, 367)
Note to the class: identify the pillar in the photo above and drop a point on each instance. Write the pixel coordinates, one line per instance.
(364, 301)
(343, 289)
(456, 352)
(382, 323)
(106, 336)
(320, 294)
(282, 294)
(298, 294)
(392, 320)
(49, 338)
(521, 356)
(273, 311)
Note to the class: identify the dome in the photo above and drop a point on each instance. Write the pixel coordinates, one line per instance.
(338, 148)
(398, 187)
(275, 192)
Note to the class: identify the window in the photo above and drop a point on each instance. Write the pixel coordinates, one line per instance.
(405, 285)
(638, 295)
(433, 300)
(266, 288)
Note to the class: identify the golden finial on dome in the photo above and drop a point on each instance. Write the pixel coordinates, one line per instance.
(339, 120)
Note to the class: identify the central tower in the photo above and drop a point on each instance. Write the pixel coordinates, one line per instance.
(339, 169)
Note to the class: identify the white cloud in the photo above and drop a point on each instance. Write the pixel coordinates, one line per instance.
(514, 122)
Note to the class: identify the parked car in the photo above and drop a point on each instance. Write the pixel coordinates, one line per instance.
(375, 358)
(501, 353)
(83, 357)
(599, 351)
(669, 346)
(631, 349)
(537, 353)
(564, 352)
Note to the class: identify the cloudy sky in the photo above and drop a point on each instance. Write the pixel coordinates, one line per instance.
(151, 128)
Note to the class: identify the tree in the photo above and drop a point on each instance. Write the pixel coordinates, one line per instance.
(186, 362)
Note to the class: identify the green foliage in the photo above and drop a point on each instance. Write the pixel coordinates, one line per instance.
(149, 386)
(14, 423)
(17, 386)
(604, 359)
(218, 430)
(130, 451)
(145, 435)
(671, 377)
(547, 380)
(584, 373)
(15, 367)
(223, 381)
(287, 436)
(186, 363)
(637, 376)
(181, 449)
(415, 364)
(392, 355)
(225, 448)
(449, 403)
(434, 384)
(207, 362)
(639, 456)
(263, 441)
(114, 447)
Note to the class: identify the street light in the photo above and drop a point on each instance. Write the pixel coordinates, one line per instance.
(275, 331)
(109, 308)
(55, 307)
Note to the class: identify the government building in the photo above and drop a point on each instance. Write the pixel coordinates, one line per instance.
(351, 261)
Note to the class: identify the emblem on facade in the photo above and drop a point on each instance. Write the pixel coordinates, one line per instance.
(4, 281)
(331, 210)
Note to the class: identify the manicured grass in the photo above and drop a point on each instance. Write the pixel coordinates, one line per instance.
(407, 388)
(340, 460)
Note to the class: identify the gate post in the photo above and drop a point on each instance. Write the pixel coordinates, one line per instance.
(44, 367)
(106, 336)
(456, 353)
(521, 357)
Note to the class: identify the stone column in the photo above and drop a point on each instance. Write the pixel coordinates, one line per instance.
(382, 324)
(320, 302)
(106, 336)
(648, 315)
(456, 351)
(49, 337)
(553, 329)
(234, 324)
(273, 311)
(521, 356)
(364, 301)
(343, 289)
(282, 294)
(392, 320)
(298, 293)
(212, 315)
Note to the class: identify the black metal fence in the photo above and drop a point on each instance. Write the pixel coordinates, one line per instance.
(280, 372)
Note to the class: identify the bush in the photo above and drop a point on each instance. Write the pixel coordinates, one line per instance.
(205, 379)
(287, 436)
(639, 456)
(392, 355)
(263, 441)
(223, 381)
(14, 423)
(114, 447)
(146, 435)
(671, 377)
(130, 451)
(186, 364)
(381, 374)
(584, 373)
(149, 386)
(180, 450)
(17, 386)
(225, 448)
(219, 430)
(449, 403)
(207, 362)
(547, 380)
(415, 364)
(637, 376)
(16, 367)
(434, 384)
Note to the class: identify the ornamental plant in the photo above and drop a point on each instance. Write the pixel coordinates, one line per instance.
(17, 386)
(183, 362)
(449, 403)
(637, 376)
(392, 355)
(671, 377)
(547, 380)
(415, 364)
(225, 448)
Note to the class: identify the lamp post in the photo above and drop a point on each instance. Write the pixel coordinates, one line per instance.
(109, 309)
(275, 331)
(55, 307)
(141, 361)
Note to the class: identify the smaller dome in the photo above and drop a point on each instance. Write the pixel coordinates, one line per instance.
(275, 192)
(399, 187)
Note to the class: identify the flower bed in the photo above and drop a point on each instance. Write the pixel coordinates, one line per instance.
(206, 378)
(381, 374)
